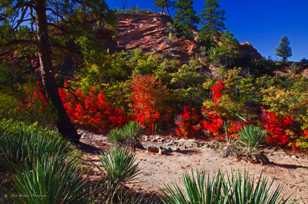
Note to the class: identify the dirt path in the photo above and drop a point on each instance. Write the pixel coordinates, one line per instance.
(158, 170)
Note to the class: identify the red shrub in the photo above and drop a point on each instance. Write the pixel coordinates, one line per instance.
(276, 127)
(91, 110)
(216, 91)
(149, 101)
(212, 123)
(188, 123)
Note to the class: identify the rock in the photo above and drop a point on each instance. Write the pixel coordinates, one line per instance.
(153, 149)
(163, 150)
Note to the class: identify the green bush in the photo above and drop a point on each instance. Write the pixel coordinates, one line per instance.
(127, 134)
(232, 189)
(22, 145)
(50, 181)
(226, 51)
(252, 137)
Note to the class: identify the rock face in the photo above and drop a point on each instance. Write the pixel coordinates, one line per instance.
(151, 32)
(248, 52)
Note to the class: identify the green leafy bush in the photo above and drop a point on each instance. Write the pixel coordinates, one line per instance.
(127, 134)
(252, 136)
(232, 189)
(22, 145)
(50, 181)
(225, 52)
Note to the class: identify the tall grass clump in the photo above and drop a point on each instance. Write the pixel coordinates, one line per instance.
(22, 145)
(50, 181)
(126, 135)
(199, 188)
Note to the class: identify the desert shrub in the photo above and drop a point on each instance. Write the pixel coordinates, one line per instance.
(286, 96)
(21, 145)
(225, 52)
(149, 101)
(143, 64)
(118, 94)
(8, 106)
(252, 137)
(50, 181)
(188, 123)
(120, 167)
(91, 109)
(109, 68)
(231, 189)
(128, 134)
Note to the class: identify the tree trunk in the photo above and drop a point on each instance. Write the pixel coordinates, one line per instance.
(64, 124)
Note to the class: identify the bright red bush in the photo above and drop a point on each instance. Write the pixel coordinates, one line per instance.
(212, 123)
(149, 101)
(276, 127)
(188, 123)
(216, 91)
(91, 110)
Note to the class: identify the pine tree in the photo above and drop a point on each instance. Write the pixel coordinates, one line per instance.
(185, 19)
(212, 18)
(163, 5)
(284, 50)
(37, 16)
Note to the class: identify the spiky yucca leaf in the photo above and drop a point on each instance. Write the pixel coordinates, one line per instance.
(197, 188)
(245, 190)
(235, 189)
(252, 136)
(50, 181)
(120, 165)
(21, 144)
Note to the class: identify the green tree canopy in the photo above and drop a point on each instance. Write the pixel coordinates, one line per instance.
(212, 19)
(284, 50)
(40, 19)
(185, 18)
(164, 5)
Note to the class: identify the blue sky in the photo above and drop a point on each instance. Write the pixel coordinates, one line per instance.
(260, 22)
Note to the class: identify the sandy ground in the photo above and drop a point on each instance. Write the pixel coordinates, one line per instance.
(158, 170)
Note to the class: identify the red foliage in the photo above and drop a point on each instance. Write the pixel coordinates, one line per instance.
(148, 101)
(306, 133)
(276, 127)
(216, 91)
(188, 123)
(91, 110)
(213, 122)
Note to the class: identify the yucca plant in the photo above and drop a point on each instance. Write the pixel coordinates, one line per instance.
(245, 190)
(234, 189)
(21, 144)
(252, 137)
(126, 135)
(120, 166)
(197, 188)
(50, 181)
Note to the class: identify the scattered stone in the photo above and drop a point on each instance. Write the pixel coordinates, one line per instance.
(153, 149)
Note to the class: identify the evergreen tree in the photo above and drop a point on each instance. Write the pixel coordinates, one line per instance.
(212, 18)
(185, 18)
(284, 50)
(37, 16)
(163, 5)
